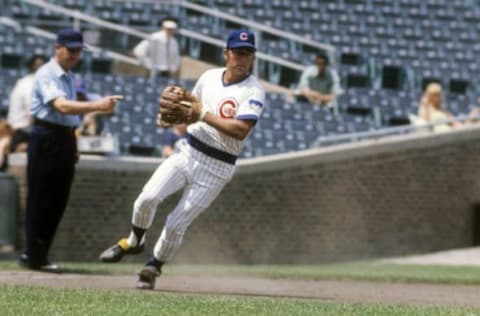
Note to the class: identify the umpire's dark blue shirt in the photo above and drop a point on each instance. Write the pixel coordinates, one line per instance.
(52, 82)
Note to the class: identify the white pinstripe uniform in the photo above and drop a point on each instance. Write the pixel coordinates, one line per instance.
(201, 176)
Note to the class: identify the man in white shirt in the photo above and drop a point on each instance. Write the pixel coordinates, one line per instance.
(319, 84)
(19, 110)
(160, 53)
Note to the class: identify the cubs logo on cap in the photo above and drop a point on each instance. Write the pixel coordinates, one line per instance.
(241, 39)
(243, 36)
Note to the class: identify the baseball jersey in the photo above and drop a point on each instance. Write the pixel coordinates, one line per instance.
(243, 100)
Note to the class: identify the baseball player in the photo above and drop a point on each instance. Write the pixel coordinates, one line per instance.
(221, 112)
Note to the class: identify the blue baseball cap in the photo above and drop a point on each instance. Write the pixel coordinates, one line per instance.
(241, 39)
(70, 38)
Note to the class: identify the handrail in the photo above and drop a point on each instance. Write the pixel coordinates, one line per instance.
(88, 18)
(10, 22)
(92, 48)
(256, 25)
(392, 130)
(220, 43)
(251, 24)
(128, 30)
(52, 36)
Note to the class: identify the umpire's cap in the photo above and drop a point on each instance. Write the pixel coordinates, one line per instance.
(70, 38)
(241, 39)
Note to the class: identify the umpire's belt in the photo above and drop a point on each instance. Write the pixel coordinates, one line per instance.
(53, 126)
(210, 151)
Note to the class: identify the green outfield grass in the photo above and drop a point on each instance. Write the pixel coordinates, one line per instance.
(369, 271)
(30, 300)
(27, 300)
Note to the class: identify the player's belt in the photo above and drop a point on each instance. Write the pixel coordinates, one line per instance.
(211, 151)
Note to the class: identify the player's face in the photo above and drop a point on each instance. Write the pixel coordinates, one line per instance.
(68, 58)
(239, 61)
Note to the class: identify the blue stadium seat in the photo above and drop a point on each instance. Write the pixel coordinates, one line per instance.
(369, 35)
(444, 14)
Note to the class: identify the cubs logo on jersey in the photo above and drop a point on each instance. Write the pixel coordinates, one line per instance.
(228, 108)
(241, 101)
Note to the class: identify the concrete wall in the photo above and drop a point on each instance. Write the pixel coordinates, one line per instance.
(8, 205)
(396, 196)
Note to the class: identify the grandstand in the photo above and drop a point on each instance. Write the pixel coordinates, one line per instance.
(385, 51)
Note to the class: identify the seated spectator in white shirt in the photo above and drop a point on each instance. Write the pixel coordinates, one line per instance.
(431, 109)
(19, 110)
(319, 84)
(160, 52)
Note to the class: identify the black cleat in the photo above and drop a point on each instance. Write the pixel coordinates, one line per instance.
(46, 266)
(116, 252)
(147, 277)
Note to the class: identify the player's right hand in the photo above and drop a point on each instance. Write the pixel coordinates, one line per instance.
(108, 103)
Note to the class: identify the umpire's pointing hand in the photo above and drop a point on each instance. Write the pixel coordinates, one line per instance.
(107, 104)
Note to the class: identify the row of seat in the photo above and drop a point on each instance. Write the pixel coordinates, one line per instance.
(400, 30)
(285, 126)
(391, 48)
(416, 43)
(339, 25)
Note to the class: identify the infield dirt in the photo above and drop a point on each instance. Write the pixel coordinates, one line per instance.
(332, 291)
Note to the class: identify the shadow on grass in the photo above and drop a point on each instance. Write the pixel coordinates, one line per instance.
(76, 268)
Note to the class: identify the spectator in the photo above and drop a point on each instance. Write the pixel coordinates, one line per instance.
(20, 101)
(5, 139)
(431, 109)
(172, 138)
(160, 53)
(319, 84)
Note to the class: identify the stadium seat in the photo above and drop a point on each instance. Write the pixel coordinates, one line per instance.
(385, 49)
(11, 60)
(393, 75)
(101, 65)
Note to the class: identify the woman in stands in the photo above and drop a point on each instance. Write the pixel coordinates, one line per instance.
(431, 108)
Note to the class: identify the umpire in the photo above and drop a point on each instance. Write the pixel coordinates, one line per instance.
(52, 151)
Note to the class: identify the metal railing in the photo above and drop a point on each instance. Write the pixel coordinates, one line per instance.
(391, 131)
(256, 26)
(79, 16)
(52, 36)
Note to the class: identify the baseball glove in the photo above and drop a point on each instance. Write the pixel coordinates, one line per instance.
(177, 106)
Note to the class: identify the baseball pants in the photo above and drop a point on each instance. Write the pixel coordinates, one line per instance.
(201, 177)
